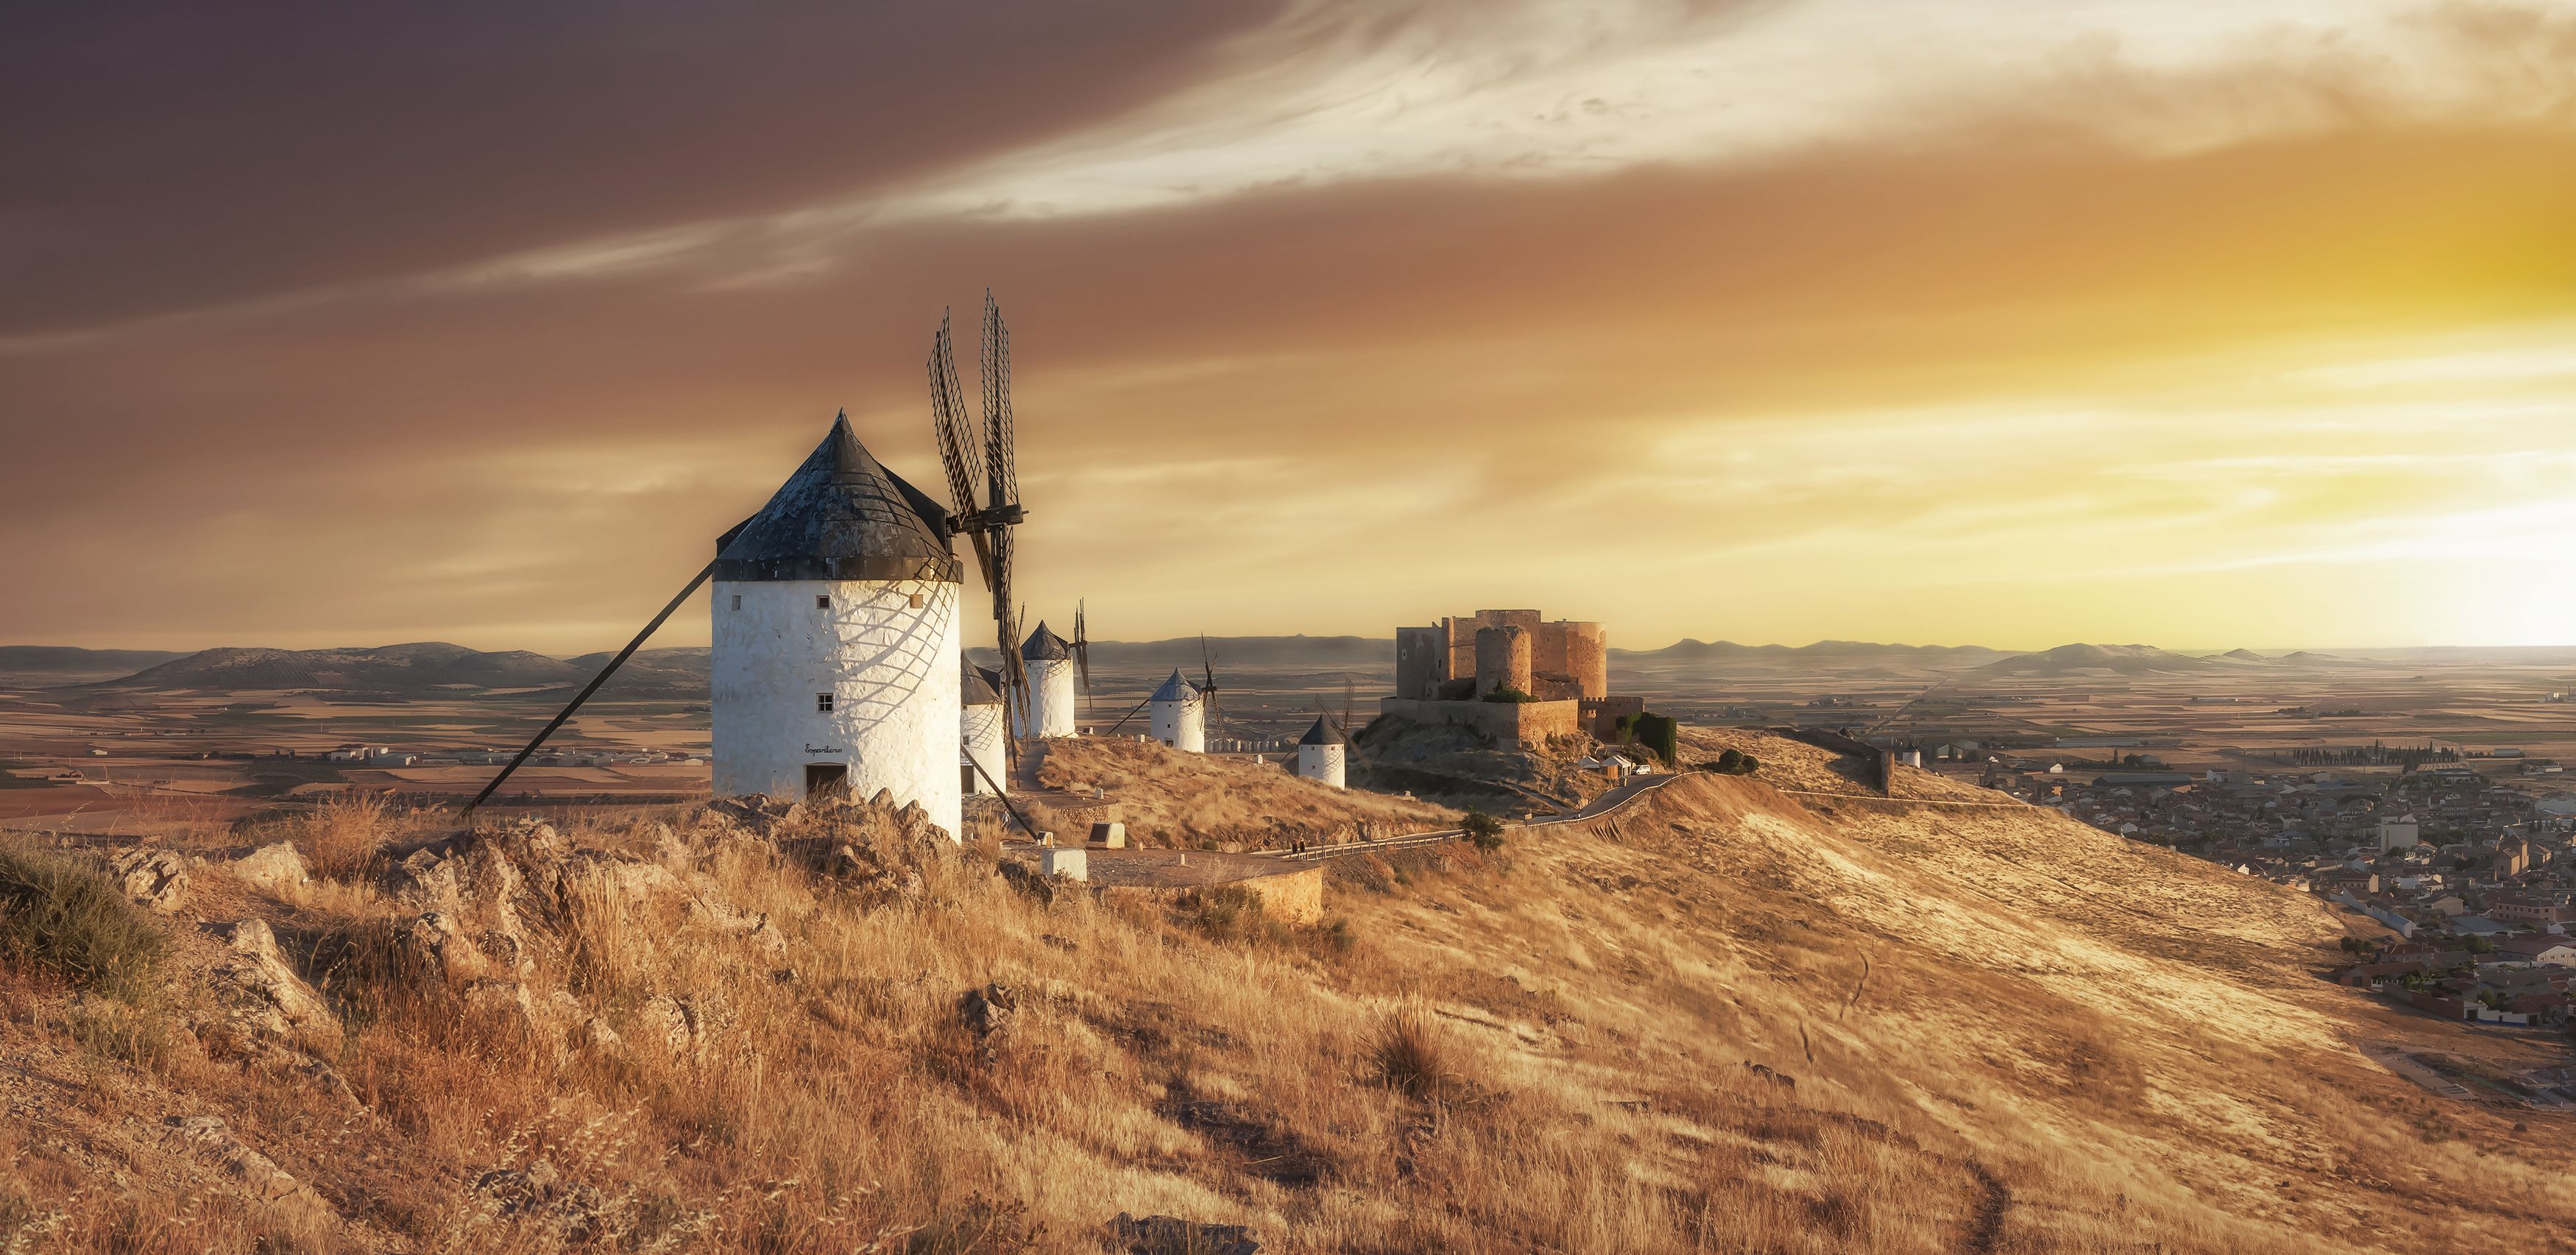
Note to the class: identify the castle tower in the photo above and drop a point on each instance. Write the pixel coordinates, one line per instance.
(1321, 753)
(980, 722)
(1179, 714)
(836, 639)
(1049, 659)
(1502, 659)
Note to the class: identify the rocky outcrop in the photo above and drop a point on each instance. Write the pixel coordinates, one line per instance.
(688, 1027)
(262, 995)
(258, 1175)
(154, 878)
(276, 867)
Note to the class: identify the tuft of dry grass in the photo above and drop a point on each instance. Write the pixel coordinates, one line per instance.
(61, 913)
(342, 836)
(1410, 1054)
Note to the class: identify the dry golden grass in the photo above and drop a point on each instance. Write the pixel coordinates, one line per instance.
(2061, 1042)
(1201, 801)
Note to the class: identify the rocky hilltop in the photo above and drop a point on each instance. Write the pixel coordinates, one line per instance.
(1735, 1013)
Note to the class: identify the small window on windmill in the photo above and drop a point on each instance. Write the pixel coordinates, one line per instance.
(916, 601)
(737, 601)
(822, 601)
(823, 703)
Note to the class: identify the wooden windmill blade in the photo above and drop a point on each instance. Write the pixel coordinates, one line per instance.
(1207, 669)
(1001, 457)
(992, 468)
(961, 456)
(1081, 648)
(959, 450)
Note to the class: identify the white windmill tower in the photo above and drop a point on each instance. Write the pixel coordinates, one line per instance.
(1050, 661)
(835, 662)
(1322, 752)
(984, 761)
(836, 658)
(1178, 714)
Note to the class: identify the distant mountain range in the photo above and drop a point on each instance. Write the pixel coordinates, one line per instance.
(681, 673)
(415, 668)
(2116, 659)
(1690, 650)
(1257, 651)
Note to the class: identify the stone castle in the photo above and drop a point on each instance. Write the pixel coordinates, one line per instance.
(1556, 675)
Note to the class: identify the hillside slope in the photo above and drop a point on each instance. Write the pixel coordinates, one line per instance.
(1979, 1027)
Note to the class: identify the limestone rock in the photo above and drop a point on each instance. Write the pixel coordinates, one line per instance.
(424, 880)
(431, 945)
(687, 1027)
(263, 995)
(259, 1175)
(273, 867)
(154, 878)
(988, 1010)
(751, 926)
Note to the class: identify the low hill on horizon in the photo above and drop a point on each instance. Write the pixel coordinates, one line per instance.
(1694, 649)
(2080, 658)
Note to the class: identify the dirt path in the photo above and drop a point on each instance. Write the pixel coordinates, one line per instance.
(1988, 1233)
(1607, 803)
(1902, 801)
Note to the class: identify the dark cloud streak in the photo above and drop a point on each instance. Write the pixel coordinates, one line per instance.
(168, 156)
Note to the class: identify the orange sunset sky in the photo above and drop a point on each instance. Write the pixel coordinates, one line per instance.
(1958, 321)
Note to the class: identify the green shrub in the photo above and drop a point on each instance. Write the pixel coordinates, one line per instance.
(62, 914)
(1507, 695)
(1483, 831)
(1730, 763)
(1662, 734)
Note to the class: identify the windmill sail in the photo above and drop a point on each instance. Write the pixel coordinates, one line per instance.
(992, 469)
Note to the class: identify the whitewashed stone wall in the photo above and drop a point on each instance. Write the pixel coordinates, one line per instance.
(891, 666)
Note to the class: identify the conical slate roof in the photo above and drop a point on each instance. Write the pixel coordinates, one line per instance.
(980, 687)
(1175, 689)
(1044, 646)
(1323, 733)
(841, 516)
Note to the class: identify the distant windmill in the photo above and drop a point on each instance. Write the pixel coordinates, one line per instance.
(1179, 714)
(1048, 660)
(1323, 751)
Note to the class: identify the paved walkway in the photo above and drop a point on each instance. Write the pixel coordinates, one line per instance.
(2394, 1059)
